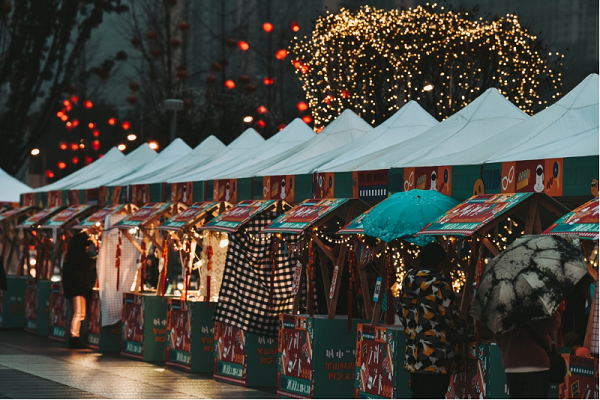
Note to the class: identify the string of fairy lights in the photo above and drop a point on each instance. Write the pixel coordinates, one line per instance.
(373, 61)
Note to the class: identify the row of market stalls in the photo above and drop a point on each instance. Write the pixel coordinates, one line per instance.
(263, 248)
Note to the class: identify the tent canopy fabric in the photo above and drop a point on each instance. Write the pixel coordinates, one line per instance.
(408, 122)
(568, 128)
(173, 153)
(89, 172)
(129, 164)
(346, 128)
(296, 133)
(11, 188)
(488, 114)
(208, 149)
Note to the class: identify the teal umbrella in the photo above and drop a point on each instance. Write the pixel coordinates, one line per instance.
(405, 213)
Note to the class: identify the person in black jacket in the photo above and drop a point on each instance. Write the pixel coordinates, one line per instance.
(79, 278)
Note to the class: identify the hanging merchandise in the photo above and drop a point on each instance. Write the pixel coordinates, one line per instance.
(310, 277)
(118, 258)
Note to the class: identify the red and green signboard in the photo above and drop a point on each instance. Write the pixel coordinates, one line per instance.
(58, 313)
(295, 376)
(12, 303)
(97, 218)
(103, 338)
(37, 306)
(65, 216)
(472, 214)
(232, 219)
(39, 217)
(189, 216)
(304, 215)
(14, 212)
(144, 333)
(583, 222)
(355, 226)
(143, 215)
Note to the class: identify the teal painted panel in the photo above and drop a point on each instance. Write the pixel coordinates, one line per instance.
(396, 180)
(343, 185)
(304, 188)
(156, 194)
(144, 332)
(578, 173)
(245, 189)
(492, 178)
(12, 311)
(463, 180)
(210, 186)
(82, 197)
(257, 188)
(37, 307)
(198, 191)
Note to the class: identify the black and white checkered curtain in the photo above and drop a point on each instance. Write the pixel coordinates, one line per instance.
(244, 296)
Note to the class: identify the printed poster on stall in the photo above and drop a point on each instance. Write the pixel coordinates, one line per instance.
(375, 362)
(195, 212)
(581, 382)
(58, 312)
(538, 176)
(54, 198)
(65, 216)
(583, 222)
(98, 218)
(230, 356)
(31, 300)
(182, 192)
(304, 215)
(355, 226)
(279, 187)
(232, 219)
(142, 215)
(93, 320)
(140, 194)
(179, 331)
(28, 199)
(132, 335)
(429, 178)
(37, 218)
(225, 190)
(295, 357)
(324, 185)
(472, 214)
(370, 186)
(14, 212)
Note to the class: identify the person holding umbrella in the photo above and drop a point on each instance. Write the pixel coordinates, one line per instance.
(518, 298)
(430, 318)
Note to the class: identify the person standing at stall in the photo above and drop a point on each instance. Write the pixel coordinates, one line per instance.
(430, 318)
(78, 280)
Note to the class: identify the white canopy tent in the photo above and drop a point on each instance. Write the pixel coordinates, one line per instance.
(346, 128)
(12, 188)
(208, 149)
(568, 128)
(485, 116)
(173, 153)
(408, 122)
(129, 164)
(89, 172)
(293, 135)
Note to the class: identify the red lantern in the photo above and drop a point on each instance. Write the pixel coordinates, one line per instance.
(151, 35)
(282, 127)
(229, 84)
(88, 104)
(88, 160)
(211, 79)
(302, 106)
(294, 26)
(244, 79)
(268, 81)
(132, 99)
(133, 86)
(75, 160)
(74, 146)
(92, 125)
(307, 119)
(156, 52)
(136, 42)
(63, 146)
(96, 145)
(175, 42)
(64, 118)
(62, 165)
(243, 45)
(299, 65)
(126, 125)
(261, 124)
(75, 123)
(112, 121)
(96, 133)
(328, 99)
(268, 27)
(281, 54)
(184, 27)
(49, 174)
(66, 103)
(181, 74)
(261, 109)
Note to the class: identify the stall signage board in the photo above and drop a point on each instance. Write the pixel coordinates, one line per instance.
(581, 382)
(583, 222)
(355, 226)
(472, 214)
(12, 303)
(304, 215)
(193, 213)
(58, 313)
(99, 216)
(142, 215)
(37, 306)
(65, 216)
(179, 334)
(14, 212)
(232, 219)
(35, 219)
(144, 333)
(294, 365)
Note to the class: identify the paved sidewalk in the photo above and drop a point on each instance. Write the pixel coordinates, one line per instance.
(36, 367)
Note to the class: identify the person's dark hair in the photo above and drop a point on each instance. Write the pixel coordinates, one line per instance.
(432, 254)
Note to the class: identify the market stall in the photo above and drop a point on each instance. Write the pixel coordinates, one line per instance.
(313, 362)
(12, 300)
(144, 333)
(95, 334)
(256, 287)
(190, 327)
(474, 232)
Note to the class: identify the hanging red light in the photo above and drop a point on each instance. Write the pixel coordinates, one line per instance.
(307, 119)
(281, 54)
(268, 27)
(229, 84)
(49, 174)
(60, 114)
(74, 146)
(96, 145)
(261, 109)
(96, 133)
(64, 118)
(302, 106)
(75, 160)
(268, 81)
(294, 26)
(66, 103)
(112, 121)
(88, 104)
(243, 45)
(91, 125)
(88, 160)
(260, 123)
(151, 35)
(282, 127)
(63, 146)
(125, 125)
(62, 165)
(75, 123)
(74, 99)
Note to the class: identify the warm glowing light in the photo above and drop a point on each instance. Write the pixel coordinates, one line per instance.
(153, 145)
(88, 104)
(248, 119)
(282, 127)
(75, 160)
(121, 147)
(302, 106)
(60, 114)
(67, 103)
(91, 125)
(125, 125)
(131, 137)
(229, 84)
(281, 54)
(268, 27)
(96, 133)
(96, 145)
(428, 87)
(35, 152)
(64, 117)
(261, 124)
(294, 26)
(63, 146)
(74, 146)
(75, 123)
(62, 165)
(261, 109)
(224, 243)
(307, 119)
(268, 81)
(49, 174)
(112, 121)
(243, 45)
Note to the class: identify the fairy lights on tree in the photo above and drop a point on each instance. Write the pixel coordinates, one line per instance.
(373, 61)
